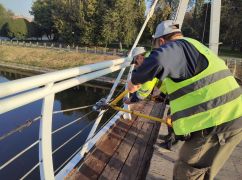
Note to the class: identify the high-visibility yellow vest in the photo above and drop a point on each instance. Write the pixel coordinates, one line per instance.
(162, 88)
(208, 99)
(148, 86)
(146, 89)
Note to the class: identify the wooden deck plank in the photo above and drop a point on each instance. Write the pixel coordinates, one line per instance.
(157, 111)
(115, 165)
(134, 159)
(113, 168)
(122, 152)
(97, 159)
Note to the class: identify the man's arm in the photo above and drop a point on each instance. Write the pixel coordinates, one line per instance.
(174, 60)
(132, 87)
(143, 92)
(146, 89)
(148, 70)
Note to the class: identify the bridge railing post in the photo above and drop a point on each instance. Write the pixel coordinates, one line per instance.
(45, 137)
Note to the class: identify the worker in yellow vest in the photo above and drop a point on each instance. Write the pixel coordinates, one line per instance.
(138, 56)
(205, 100)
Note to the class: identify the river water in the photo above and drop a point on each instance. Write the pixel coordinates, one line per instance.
(12, 145)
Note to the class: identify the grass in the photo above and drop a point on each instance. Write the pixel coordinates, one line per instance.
(48, 58)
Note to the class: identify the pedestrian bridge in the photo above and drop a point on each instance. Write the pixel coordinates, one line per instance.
(109, 151)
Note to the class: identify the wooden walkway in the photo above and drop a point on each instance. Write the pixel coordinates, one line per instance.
(125, 151)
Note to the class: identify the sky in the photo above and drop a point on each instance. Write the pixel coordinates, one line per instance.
(19, 7)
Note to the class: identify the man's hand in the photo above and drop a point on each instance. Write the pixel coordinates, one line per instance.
(133, 88)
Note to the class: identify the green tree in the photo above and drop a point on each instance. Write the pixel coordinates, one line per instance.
(197, 21)
(231, 24)
(122, 20)
(5, 16)
(16, 28)
(163, 11)
(110, 27)
(42, 12)
(34, 30)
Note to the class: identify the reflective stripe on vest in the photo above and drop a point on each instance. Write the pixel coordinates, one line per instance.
(210, 98)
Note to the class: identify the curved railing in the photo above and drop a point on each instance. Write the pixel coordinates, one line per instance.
(20, 92)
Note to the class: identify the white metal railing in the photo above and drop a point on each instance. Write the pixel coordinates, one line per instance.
(45, 87)
(20, 92)
(40, 80)
(13, 87)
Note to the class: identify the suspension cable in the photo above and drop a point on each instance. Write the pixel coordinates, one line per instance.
(88, 125)
(19, 128)
(95, 135)
(77, 149)
(28, 123)
(91, 122)
(78, 119)
(73, 109)
(30, 171)
(36, 142)
(19, 154)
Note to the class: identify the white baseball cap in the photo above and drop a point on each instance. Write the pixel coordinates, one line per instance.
(166, 27)
(137, 51)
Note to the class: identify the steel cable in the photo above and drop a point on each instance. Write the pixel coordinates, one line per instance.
(95, 135)
(28, 123)
(78, 148)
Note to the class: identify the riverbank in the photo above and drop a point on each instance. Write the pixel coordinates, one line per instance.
(47, 58)
(19, 70)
